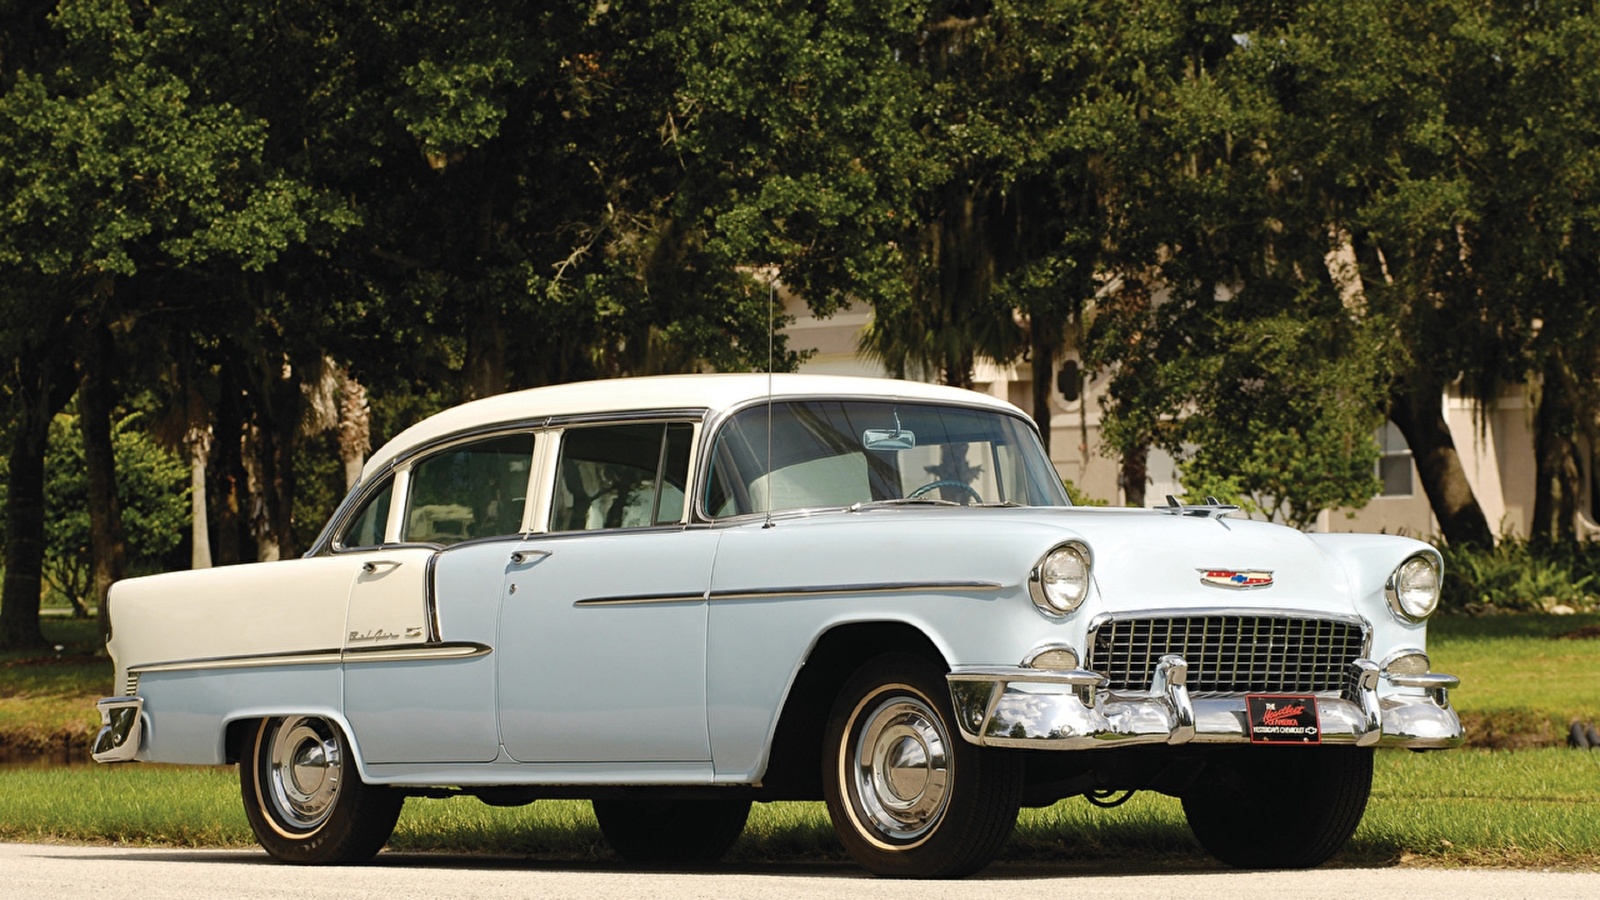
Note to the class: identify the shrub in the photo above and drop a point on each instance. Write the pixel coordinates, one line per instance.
(1521, 576)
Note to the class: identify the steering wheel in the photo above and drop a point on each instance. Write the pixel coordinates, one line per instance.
(945, 483)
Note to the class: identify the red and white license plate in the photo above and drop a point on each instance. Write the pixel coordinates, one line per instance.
(1284, 719)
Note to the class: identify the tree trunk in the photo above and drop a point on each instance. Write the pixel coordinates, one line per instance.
(37, 398)
(108, 547)
(1416, 405)
(486, 354)
(355, 428)
(198, 443)
(1044, 334)
(1558, 478)
(227, 496)
(1135, 476)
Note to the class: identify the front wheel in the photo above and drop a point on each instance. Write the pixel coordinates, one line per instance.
(908, 796)
(1279, 807)
(304, 800)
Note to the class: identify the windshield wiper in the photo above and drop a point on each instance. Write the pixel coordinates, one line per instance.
(900, 501)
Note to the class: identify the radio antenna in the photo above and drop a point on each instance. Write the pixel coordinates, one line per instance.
(772, 294)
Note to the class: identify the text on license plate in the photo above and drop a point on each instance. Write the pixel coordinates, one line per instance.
(1283, 719)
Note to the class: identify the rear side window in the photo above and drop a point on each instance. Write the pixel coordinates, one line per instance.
(366, 529)
(621, 476)
(473, 490)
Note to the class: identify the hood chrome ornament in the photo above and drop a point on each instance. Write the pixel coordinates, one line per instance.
(1236, 578)
(1212, 508)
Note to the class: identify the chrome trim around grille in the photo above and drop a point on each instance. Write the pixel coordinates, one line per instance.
(1228, 651)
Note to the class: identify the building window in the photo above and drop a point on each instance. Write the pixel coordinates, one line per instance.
(1394, 462)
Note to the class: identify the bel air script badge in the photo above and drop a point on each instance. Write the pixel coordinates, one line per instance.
(1236, 578)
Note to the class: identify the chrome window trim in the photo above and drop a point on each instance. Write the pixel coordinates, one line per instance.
(713, 425)
(551, 461)
(353, 500)
(406, 458)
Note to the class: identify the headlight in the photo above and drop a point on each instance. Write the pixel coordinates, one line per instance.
(1060, 582)
(1413, 589)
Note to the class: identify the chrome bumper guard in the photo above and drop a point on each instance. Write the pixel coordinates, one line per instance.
(1072, 710)
(121, 729)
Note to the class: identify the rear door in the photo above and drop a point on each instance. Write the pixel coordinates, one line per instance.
(601, 653)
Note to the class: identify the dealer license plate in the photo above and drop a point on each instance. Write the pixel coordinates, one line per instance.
(1284, 719)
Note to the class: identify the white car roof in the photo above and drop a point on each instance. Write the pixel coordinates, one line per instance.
(713, 393)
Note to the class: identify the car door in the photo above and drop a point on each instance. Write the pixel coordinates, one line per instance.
(420, 628)
(601, 654)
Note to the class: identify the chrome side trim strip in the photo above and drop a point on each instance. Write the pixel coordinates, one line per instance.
(406, 652)
(642, 600)
(414, 652)
(893, 587)
(305, 658)
(906, 587)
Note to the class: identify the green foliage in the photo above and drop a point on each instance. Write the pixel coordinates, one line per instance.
(1078, 497)
(152, 488)
(1521, 576)
(449, 199)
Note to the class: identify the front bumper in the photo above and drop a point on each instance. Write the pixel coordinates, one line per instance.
(121, 729)
(1072, 710)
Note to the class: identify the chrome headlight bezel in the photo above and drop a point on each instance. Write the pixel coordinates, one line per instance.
(1413, 587)
(1060, 580)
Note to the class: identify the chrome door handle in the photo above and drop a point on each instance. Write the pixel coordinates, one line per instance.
(522, 556)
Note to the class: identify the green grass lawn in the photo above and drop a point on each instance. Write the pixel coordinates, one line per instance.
(1522, 683)
(1468, 807)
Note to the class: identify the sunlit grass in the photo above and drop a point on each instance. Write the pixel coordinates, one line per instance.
(1470, 807)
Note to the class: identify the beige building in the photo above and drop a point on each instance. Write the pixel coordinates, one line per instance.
(1496, 444)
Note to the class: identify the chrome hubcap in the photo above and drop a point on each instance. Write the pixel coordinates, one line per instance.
(303, 771)
(901, 769)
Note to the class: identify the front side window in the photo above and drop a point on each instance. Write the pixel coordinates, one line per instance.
(472, 490)
(621, 476)
(830, 453)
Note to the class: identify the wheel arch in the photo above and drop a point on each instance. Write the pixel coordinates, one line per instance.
(792, 770)
(241, 728)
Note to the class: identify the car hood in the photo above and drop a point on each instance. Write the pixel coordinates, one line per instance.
(1152, 559)
(1143, 559)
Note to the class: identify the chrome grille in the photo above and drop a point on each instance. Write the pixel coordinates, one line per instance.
(1229, 654)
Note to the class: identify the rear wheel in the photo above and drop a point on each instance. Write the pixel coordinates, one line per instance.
(908, 795)
(304, 800)
(1279, 807)
(671, 832)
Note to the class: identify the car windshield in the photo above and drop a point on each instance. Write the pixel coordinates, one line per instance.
(840, 453)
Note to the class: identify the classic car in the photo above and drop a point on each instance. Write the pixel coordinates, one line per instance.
(676, 596)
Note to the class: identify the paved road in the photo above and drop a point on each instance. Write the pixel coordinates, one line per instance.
(30, 871)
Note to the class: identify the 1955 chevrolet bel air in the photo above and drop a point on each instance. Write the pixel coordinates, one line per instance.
(676, 596)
